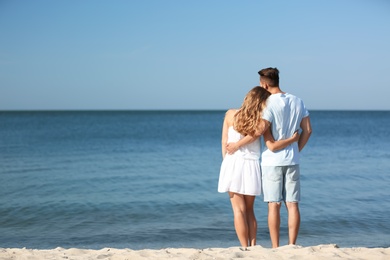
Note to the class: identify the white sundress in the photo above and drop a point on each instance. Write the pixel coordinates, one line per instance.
(240, 172)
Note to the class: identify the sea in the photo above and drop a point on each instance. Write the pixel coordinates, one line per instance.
(148, 179)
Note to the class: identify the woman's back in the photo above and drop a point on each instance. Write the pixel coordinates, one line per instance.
(249, 151)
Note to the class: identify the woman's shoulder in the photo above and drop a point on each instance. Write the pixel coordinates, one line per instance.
(229, 115)
(231, 112)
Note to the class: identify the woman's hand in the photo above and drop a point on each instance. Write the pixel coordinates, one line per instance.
(296, 136)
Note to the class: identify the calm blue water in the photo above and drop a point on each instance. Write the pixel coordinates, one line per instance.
(143, 179)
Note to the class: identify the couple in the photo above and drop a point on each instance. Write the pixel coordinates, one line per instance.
(278, 116)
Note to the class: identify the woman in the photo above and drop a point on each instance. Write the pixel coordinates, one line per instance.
(240, 173)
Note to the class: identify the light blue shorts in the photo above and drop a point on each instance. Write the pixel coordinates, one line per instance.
(281, 183)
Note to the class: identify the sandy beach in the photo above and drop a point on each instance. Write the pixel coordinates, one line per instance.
(330, 251)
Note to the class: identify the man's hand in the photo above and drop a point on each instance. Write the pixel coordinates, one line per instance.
(231, 148)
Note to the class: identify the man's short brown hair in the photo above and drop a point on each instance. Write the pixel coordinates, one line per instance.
(270, 76)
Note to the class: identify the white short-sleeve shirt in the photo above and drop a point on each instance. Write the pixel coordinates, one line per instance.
(285, 112)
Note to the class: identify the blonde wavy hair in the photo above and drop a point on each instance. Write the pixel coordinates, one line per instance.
(248, 119)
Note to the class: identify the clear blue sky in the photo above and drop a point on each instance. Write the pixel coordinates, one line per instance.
(176, 54)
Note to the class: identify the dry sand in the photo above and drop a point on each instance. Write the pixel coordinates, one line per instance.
(257, 252)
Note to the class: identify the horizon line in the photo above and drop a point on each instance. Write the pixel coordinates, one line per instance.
(172, 110)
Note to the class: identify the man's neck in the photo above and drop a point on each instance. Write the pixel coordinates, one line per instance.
(275, 90)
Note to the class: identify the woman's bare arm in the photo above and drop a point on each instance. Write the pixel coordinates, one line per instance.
(224, 136)
(278, 145)
(227, 122)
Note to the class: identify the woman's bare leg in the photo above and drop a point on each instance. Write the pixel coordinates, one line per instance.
(251, 219)
(240, 218)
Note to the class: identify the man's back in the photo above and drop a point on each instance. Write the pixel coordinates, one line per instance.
(281, 172)
(285, 113)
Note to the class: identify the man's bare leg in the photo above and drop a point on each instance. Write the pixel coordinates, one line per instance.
(294, 221)
(274, 222)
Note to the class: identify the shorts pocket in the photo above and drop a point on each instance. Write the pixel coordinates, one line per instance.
(274, 176)
(293, 174)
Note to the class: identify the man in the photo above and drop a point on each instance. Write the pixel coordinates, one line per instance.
(286, 114)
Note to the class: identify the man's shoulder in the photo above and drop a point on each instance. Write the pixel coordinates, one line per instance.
(297, 102)
(291, 95)
(280, 99)
(282, 96)
(294, 97)
(279, 102)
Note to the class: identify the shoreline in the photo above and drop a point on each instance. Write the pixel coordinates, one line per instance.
(326, 251)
